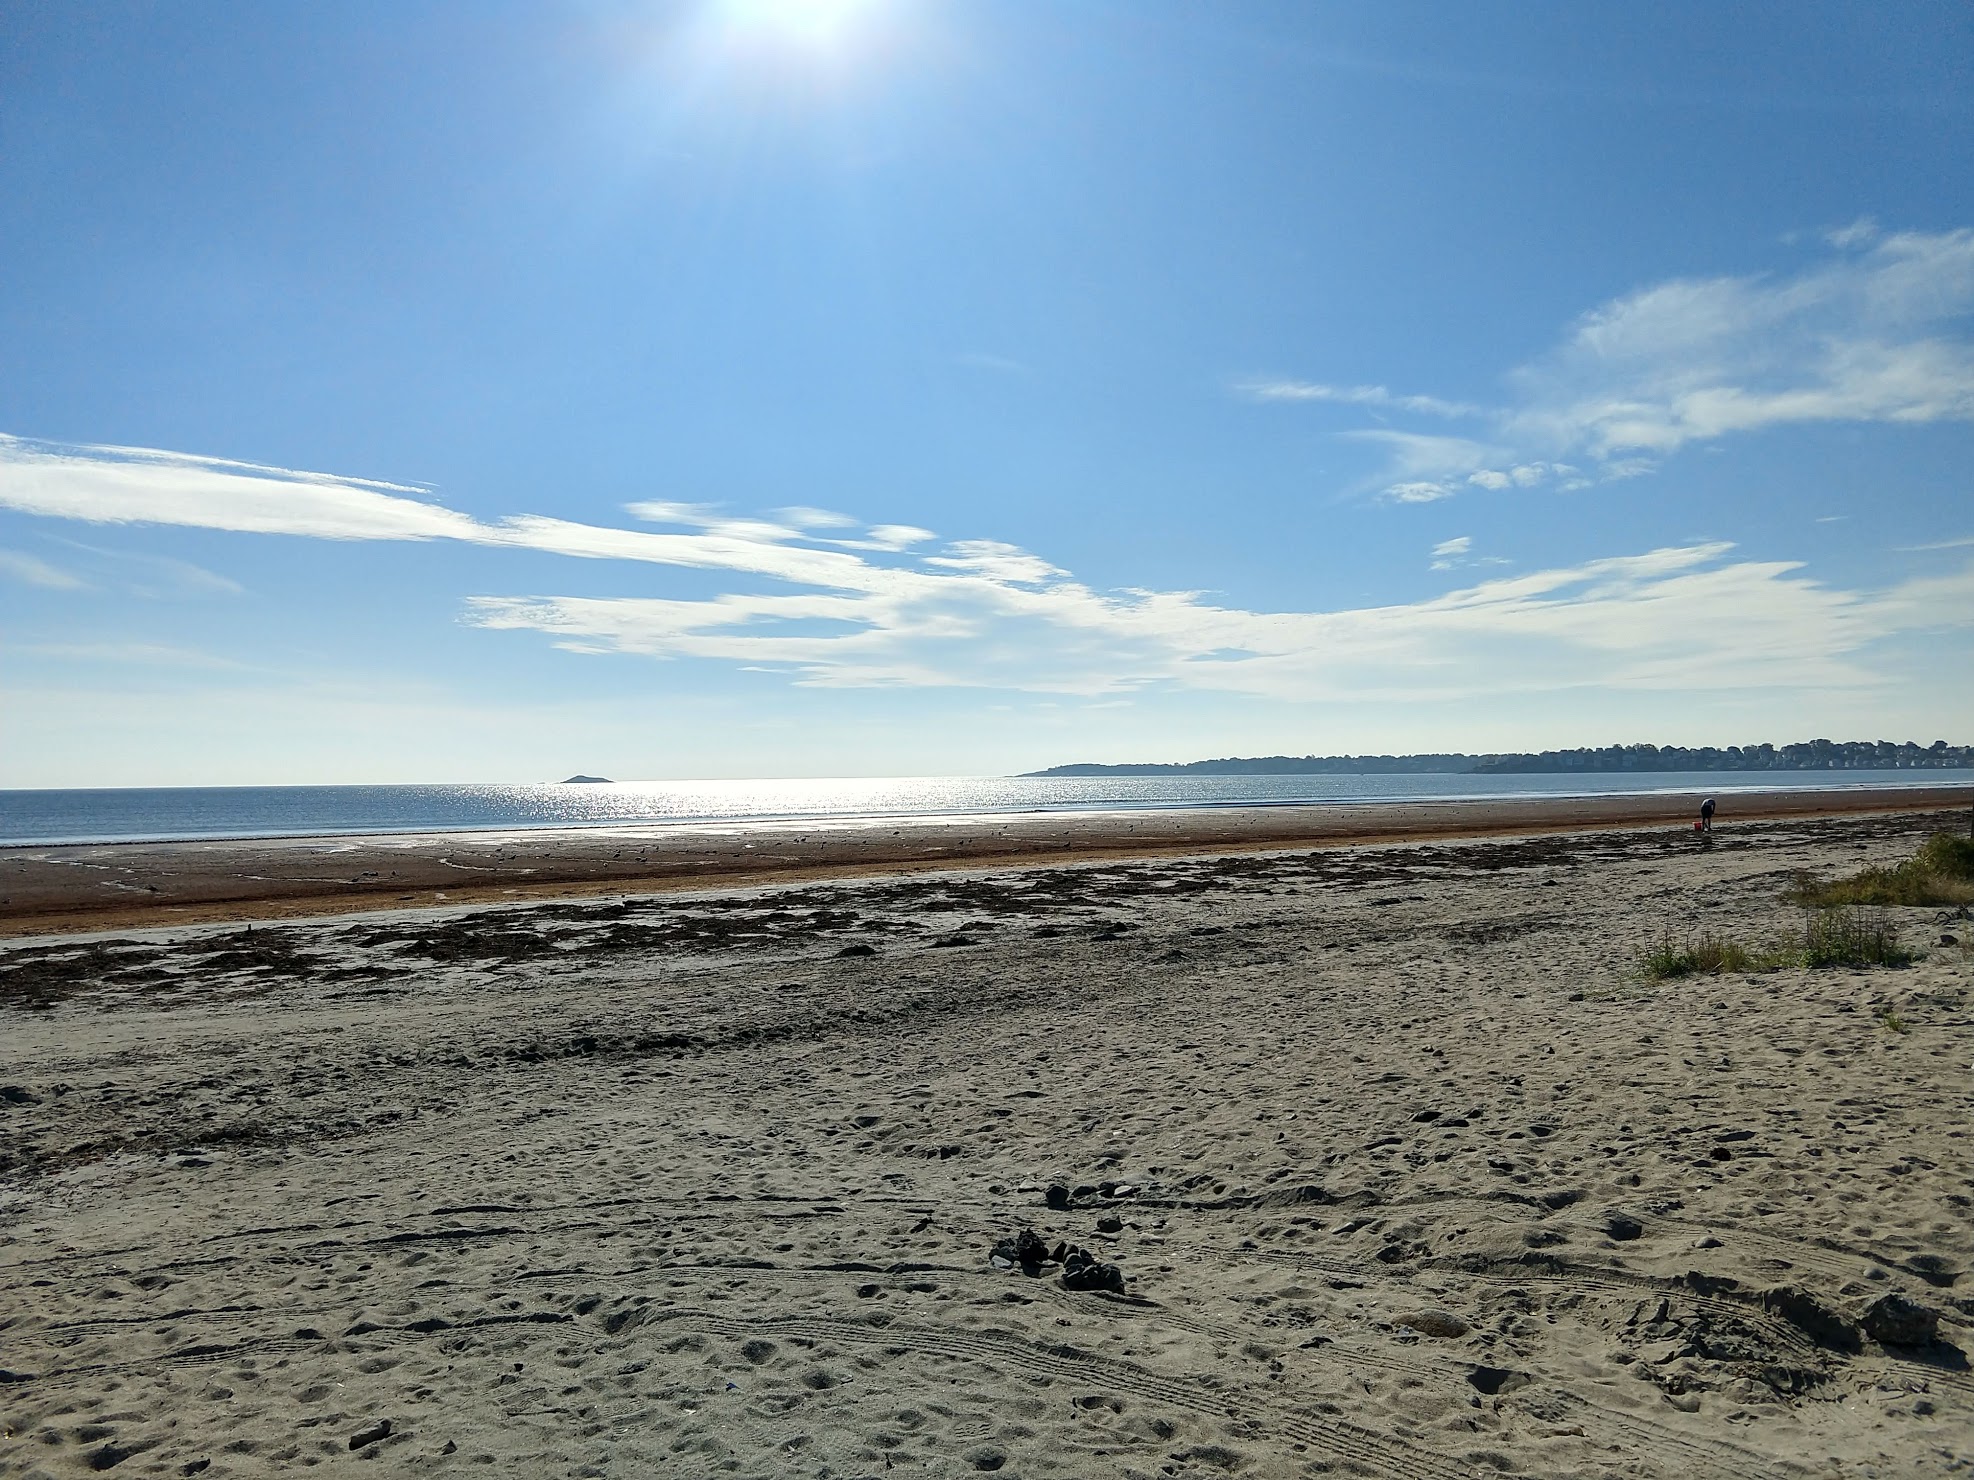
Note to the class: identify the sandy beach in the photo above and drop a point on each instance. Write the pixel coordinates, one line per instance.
(1404, 1167)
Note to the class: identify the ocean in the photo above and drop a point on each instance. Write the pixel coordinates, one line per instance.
(143, 814)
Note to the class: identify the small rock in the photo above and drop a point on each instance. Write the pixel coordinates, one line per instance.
(1440, 1323)
(1492, 1380)
(1425, 1117)
(1812, 1317)
(1057, 1196)
(1949, 940)
(378, 1430)
(1089, 1273)
(1623, 1227)
(1110, 1223)
(1897, 1321)
(858, 949)
(13, 1094)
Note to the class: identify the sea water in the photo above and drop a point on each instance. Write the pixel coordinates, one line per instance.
(129, 814)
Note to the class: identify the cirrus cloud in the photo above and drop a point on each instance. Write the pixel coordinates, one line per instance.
(1877, 331)
(987, 614)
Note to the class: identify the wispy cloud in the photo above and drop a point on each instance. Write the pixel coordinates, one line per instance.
(1422, 468)
(127, 654)
(982, 613)
(32, 570)
(1458, 552)
(1877, 331)
(161, 577)
(1352, 395)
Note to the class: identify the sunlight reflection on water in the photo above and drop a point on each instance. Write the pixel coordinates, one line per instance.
(285, 811)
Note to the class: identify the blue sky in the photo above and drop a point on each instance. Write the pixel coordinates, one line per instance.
(861, 387)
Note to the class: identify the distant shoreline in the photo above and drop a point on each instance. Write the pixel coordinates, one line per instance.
(1610, 760)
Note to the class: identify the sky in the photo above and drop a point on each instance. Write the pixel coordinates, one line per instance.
(426, 391)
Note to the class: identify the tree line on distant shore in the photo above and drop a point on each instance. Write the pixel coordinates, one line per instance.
(1810, 755)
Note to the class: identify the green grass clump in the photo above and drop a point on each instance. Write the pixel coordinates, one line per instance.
(1942, 872)
(1709, 955)
(1948, 856)
(1851, 937)
(1841, 936)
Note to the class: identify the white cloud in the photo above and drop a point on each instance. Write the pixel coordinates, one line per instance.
(801, 516)
(1673, 619)
(1352, 395)
(889, 537)
(1458, 545)
(1007, 564)
(1860, 233)
(1874, 336)
(982, 613)
(18, 565)
(1421, 467)
(1876, 333)
(129, 485)
(1419, 491)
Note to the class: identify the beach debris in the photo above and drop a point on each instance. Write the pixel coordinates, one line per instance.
(1431, 1322)
(378, 1430)
(1025, 1249)
(1081, 1270)
(1811, 1316)
(1896, 1321)
(1493, 1380)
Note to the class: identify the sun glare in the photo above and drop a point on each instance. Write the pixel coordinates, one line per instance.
(798, 22)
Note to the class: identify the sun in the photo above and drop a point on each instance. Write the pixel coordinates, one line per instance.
(819, 23)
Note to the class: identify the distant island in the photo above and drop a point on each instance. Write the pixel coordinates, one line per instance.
(1811, 755)
(587, 781)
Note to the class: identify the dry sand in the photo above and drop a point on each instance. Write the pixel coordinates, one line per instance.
(1408, 1171)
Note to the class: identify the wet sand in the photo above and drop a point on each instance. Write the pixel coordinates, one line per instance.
(114, 886)
(1405, 1168)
